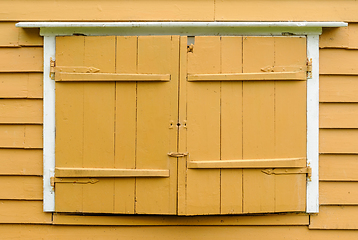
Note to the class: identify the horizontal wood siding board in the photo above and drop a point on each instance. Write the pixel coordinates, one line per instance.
(338, 88)
(335, 217)
(338, 193)
(338, 141)
(21, 187)
(13, 211)
(334, 38)
(11, 36)
(338, 61)
(21, 162)
(23, 59)
(338, 115)
(20, 111)
(272, 220)
(353, 35)
(108, 11)
(21, 85)
(21, 136)
(338, 167)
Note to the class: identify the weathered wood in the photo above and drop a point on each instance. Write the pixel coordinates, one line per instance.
(338, 61)
(20, 136)
(13, 211)
(338, 167)
(27, 59)
(249, 163)
(109, 172)
(20, 162)
(338, 115)
(24, 111)
(75, 77)
(21, 187)
(338, 88)
(338, 193)
(248, 76)
(338, 140)
(335, 217)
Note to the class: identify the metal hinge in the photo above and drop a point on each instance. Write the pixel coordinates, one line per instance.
(54, 180)
(283, 171)
(52, 68)
(309, 68)
(177, 154)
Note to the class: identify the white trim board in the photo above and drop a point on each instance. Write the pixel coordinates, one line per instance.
(310, 29)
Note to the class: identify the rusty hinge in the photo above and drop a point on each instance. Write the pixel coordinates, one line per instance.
(54, 180)
(309, 68)
(190, 48)
(283, 171)
(52, 68)
(177, 154)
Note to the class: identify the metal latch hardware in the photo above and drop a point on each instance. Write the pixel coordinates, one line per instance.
(52, 69)
(283, 171)
(177, 154)
(309, 68)
(54, 180)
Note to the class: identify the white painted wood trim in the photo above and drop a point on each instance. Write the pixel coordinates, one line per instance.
(313, 124)
(48, 126)
(177, 24)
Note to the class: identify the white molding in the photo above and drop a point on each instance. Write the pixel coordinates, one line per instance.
(311, 29)
(48, 126)
(313, 125)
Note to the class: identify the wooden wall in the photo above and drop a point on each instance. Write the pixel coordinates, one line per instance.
(21, 215)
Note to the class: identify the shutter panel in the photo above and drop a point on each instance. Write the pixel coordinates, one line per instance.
(114, 129)
(261, 122)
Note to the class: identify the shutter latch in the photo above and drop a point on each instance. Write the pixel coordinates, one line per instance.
(177, 154)
(283, 171)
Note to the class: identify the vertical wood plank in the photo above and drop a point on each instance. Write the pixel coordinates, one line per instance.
(231, 125)
(99, 105)
(290, 124)
(258, 125)
(203, 122)
(125, 128)
(154, 114)
(69, 123)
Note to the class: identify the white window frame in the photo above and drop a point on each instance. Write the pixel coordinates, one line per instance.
(312, 30)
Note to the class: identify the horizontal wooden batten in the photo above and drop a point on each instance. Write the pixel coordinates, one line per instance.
(75, 77)
(338, 193)
(21, 187)
(345, 167)
(248, 76)
(260, 220)
(250, 163)
(110, 172)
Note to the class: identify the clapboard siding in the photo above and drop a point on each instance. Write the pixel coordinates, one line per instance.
(20, 187)
(20, 111)
(21, 85)
(333, 167)
(22, 59)
(338, 115)
(335, 217)
(338, 193)
(14, 211)
(338, 88)
(20, 136)
(338, 61)
(11, 36)
(21, 162)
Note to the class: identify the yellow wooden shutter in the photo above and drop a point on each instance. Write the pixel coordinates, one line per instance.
(116, 109)
(236, 120)
(238, 132)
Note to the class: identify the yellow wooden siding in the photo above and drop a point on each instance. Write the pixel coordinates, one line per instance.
(20, 111)
(21, 136)
(24, 59)
(338, 193)
(21, 188)
(21, 85)
(12, 36)
(335, 217)
(338, 88)
(20, 162)
(338, 115)
(14, 211)
(338, 167)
